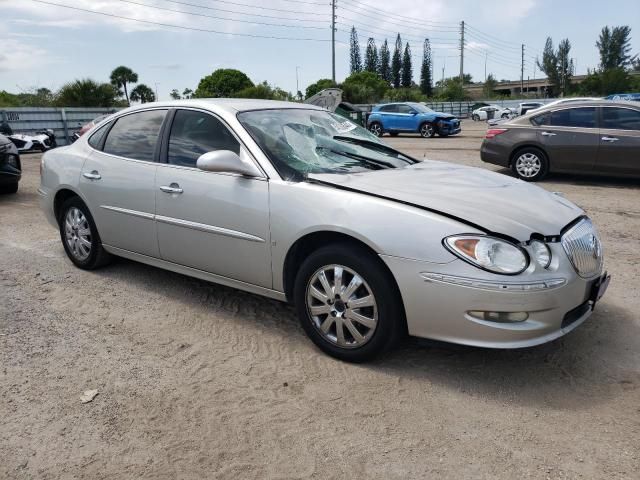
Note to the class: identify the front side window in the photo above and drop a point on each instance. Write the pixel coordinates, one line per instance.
(584, 117)
(540, 120)
(404, 109)
(136, 135)
(299, 142)
(195, 133)
(620, 118)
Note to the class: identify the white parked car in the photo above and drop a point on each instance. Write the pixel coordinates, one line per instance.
(525, 107)
(490, 112)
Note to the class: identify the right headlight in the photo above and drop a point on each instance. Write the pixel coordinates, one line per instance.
(489, 253)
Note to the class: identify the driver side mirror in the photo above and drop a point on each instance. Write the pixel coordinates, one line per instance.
(413, 112)
(228, 162)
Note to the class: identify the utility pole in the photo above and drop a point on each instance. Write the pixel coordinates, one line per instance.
(297, 87)
(157, 91)
(462, 53)
(333, 40)
(522, 73)
(486, 54)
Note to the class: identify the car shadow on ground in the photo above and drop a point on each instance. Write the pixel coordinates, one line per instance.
(587, 366)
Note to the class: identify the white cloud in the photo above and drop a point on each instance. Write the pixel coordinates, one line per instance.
(16, 55)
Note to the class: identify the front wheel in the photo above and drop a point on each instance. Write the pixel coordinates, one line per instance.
(347, 303)
(530, 164)
(475, 118)
(376, 129)
(427, 130)
(80, 236)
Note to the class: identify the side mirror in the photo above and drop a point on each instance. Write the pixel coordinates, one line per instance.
(228, 161)
(413, 112)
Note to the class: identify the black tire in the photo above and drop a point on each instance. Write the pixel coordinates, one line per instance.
(97, 256)
(390, 324)
(517, 160)
(393, 134)
(475, 118)
(427, 130)
(376, 129)
(10, 188)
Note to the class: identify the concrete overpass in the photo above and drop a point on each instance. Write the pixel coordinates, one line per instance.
(533, 87)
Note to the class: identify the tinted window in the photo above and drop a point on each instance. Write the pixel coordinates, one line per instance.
(404, 109)
(96, 139)
(541, 119)
(574, 117)
(195, 133)
(389, 108)
(620, 118)
(135, 136)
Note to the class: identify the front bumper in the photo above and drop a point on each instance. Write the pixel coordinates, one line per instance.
(438, 298)
(449, 128)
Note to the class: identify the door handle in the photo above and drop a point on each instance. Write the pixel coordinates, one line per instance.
(548, 134)
(173, 188)
(94, 175)
(610, 139)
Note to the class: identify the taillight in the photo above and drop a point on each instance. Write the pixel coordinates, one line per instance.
(494, 132)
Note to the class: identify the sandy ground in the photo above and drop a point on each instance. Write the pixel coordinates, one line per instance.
(201, 381)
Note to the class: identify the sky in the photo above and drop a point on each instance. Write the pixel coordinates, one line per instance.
(47, 45)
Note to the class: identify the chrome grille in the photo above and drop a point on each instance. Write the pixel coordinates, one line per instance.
(583, 247)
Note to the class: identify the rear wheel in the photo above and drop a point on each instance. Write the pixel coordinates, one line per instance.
(348, 303)
(376, 129)
(427, 130)
(475, 117)
(530, 164)
(80, 236)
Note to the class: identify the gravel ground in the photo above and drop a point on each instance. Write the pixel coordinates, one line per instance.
(200, 381)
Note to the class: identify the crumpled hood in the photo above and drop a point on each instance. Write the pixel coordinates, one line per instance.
(446, 116)
(495, 202)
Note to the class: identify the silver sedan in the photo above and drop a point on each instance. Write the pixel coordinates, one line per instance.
(295, 203)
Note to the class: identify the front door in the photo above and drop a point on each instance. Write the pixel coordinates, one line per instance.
(118, 181)
(406, 118)
(216, 222)
(619, 152)
(570, 138)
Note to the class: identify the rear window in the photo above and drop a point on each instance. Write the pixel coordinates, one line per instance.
(584, 117)
(620, 118)
(96, 138)
(135, 136)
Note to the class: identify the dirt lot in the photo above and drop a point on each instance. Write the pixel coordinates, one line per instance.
(201, 381)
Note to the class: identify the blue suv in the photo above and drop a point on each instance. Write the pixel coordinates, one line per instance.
(395, 118)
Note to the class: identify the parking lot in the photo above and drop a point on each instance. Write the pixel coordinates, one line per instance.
(197, 380)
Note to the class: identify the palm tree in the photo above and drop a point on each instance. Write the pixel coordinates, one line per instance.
(121, 76)
(86, 93)
(142, 94)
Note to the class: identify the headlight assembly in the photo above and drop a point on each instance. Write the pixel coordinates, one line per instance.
(489, 253)
(541, 253)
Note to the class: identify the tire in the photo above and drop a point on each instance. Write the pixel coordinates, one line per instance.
(385, 323)
(427, 130)
(530, 164)
(376, 129)
(89, 254)
(475, 118)
(10, 188)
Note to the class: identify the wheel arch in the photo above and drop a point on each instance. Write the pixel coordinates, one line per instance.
(308, 243)
(62, 195)
(521, 147)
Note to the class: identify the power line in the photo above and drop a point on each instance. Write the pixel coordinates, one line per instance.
(380, 31)
(396, 22)
(253, 22)
(386, 14)
(161, 24)
(266, 8)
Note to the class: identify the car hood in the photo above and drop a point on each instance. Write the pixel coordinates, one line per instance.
(492, 201)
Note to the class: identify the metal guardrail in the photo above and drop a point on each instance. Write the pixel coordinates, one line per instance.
(63, 121)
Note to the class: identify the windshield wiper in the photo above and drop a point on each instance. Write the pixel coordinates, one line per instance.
(355, 156)
(375, 146)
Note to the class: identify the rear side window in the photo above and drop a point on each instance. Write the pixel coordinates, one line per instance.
(620, 118)
(195, 133)
(584, 117)
(389, 108)
(96, 139)
(135, 136)
(541, 119)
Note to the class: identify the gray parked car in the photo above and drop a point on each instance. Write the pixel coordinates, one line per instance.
(296, 203)
(600, 137)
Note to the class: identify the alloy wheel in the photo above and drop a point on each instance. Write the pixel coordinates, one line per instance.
(427, 130)
(342, 306)
(77, 233)
(528, 165)
(376, 129)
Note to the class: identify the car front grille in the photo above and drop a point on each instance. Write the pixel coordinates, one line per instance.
(583, 247)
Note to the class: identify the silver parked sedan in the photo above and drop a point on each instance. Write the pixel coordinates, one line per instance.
(295, 203)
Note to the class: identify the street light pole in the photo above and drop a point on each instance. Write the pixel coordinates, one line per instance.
(297, 86)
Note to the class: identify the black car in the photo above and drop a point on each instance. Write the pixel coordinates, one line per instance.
(10, 168)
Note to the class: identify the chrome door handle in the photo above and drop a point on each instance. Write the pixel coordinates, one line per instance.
(548, 134)
(94, 175)
(610, 139)
(173, 188)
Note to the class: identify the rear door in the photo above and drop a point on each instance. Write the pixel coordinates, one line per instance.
(619, 152)
(388, 116)
(118, 181)
(570, 137)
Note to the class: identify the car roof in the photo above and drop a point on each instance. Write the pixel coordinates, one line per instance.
(562, 106)
(227, 105)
